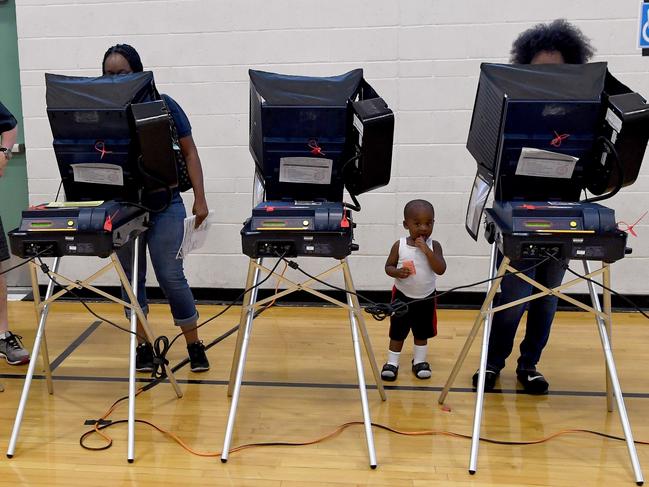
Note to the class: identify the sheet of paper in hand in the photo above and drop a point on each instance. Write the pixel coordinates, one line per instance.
(193, 238)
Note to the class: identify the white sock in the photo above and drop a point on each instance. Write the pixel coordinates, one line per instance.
(419, 353)
(393, 358)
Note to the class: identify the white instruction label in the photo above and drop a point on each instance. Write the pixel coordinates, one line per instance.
(613, 120)
(545, 164)
(98, 173)
(359, 126)
(310, 170)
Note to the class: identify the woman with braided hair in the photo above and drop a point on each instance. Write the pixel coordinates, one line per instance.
(165, 233)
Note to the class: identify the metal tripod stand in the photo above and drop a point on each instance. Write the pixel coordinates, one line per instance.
(42, 310)
(602, 317)
(356, 321)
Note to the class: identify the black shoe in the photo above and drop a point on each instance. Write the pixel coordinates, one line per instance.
(389, 372)
(144, 357)
(490, 377)
(197, 358)
(421, 370)
(533, 381)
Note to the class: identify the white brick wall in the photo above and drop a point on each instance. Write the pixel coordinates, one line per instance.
(421, 55)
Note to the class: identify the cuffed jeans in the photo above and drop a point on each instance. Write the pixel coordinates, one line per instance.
(539, 315)
(163, 239)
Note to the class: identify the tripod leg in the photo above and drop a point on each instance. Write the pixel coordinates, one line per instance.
(615, 384)
(132, 291)
(249, 297)
(45, 356)
(493, 287)
(354, 303)
(361, 382)
(245, 341)
(608, 322)
(477, 418)
(594, 298)
(37, 306)
(32, 364)
(142, 319)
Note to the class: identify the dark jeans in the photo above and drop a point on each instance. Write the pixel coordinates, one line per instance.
(540, 314)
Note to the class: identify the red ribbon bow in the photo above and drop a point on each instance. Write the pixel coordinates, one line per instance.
(100, 146)
(629, 228)
(556, 142)
(316, 150)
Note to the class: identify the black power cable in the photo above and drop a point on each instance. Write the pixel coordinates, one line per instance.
(234, 301)
(381, 311)
(157, 380)
(27, 261)
(58, 191)
(622, 296)
(46, 270)
(161, 344)
(163, 185)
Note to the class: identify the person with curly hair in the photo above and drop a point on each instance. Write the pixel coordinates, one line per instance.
(557, 42)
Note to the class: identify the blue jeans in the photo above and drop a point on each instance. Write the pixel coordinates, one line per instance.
(163, 238)
(540, 314)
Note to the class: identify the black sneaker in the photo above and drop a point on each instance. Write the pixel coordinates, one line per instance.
(144, 357)
(490, 377)
(533, 381)
(197, 358)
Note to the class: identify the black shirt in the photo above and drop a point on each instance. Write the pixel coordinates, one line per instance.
(7, 120)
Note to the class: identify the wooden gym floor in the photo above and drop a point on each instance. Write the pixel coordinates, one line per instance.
(301, 385)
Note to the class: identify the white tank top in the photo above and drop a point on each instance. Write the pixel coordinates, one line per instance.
(422, 283)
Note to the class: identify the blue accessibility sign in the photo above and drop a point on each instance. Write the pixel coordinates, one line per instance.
(643, 40)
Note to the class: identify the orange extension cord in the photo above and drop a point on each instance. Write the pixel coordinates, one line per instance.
(109, 441)
(98, 427)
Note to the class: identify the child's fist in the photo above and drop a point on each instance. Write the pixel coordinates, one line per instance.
(420, 243)
(403, 272)
(410, 265)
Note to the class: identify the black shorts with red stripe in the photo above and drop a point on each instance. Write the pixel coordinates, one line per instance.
(421, 318)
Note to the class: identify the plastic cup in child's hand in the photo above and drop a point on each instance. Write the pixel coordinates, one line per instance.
(410, 265)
